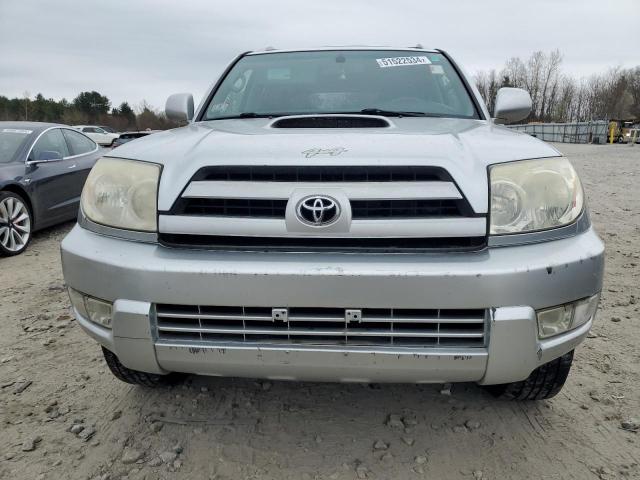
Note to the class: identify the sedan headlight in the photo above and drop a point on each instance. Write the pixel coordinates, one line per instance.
(531, 195)
(122, 194)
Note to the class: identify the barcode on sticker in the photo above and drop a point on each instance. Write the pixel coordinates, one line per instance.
(402, 61)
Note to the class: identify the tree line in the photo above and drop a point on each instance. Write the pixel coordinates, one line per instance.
(556, 97)
(559, 97)
(88, 108)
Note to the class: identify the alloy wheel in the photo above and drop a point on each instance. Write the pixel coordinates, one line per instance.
(15, 224)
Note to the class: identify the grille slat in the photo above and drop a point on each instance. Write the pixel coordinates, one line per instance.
(360, 209)
(324, 244)
(234, 207)
(322, 332)
(405, 208)
(341, 173)
(322, 326)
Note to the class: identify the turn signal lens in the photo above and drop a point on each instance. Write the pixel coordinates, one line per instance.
(585, 310)
(77, 301)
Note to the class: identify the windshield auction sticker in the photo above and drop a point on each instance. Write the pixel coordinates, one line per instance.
(402, 61)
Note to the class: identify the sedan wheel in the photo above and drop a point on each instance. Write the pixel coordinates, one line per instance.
(15, 224)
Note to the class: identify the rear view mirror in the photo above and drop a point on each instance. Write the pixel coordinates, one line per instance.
(48, 156)
(179, 107)
(512, 105)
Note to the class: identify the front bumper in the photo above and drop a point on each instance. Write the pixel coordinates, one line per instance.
(510, 282)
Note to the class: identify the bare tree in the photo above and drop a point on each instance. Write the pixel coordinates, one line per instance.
(549, 88)
(488, 85)
(557, 97)
(634, 91)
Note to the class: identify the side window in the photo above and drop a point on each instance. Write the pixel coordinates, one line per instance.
(89, 130)
(52, 141)
(78, 143)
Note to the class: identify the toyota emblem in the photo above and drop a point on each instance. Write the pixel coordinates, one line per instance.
(318, 210)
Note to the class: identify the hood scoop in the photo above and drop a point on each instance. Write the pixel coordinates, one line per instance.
(331, 121)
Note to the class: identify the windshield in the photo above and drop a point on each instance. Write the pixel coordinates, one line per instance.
(11, 139)
(379, 82)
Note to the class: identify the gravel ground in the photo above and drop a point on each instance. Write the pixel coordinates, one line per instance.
(63, 415)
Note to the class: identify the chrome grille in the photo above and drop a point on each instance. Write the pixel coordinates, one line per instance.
(322, 326)
(384, 209)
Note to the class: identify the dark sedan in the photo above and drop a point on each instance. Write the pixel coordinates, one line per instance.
(43, 167)
(126, 137)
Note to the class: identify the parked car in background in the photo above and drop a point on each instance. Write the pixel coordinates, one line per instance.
(97, 134)
(126, 137)
(43, 167)
(107, 129)
(343, 214)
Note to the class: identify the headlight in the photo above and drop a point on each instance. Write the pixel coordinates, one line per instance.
(122, 194)
(532, 195)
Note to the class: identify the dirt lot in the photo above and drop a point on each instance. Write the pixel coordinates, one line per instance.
(53, 377)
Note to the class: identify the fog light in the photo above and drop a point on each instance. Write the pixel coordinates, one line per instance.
(96, 310)
(585, 310)
(99, 311)
(556, 320)
(553, 321)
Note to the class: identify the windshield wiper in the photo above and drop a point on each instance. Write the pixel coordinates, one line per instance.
(394, 113)
(364, 111)
(251, 115)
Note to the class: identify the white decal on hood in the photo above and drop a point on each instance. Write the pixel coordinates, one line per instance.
(332, 152)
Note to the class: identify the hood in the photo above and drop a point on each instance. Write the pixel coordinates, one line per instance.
(463, 147)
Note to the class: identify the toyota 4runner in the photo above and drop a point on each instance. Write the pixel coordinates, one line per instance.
(338, 214)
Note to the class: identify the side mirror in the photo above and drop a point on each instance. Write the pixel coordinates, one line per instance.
(512, 105)
(179, 107)
(48, 156)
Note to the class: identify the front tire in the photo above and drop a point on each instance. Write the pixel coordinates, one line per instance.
(16, 223)
(545, 382)
(135, 377)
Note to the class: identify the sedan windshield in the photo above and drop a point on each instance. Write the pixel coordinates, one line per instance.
(11, 139)
(370, 82)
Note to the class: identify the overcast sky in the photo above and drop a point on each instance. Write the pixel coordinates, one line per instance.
(147, 49)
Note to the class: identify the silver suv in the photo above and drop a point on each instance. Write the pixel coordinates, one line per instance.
(338, 214)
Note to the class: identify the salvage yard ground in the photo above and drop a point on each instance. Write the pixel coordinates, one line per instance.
(64, 416)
